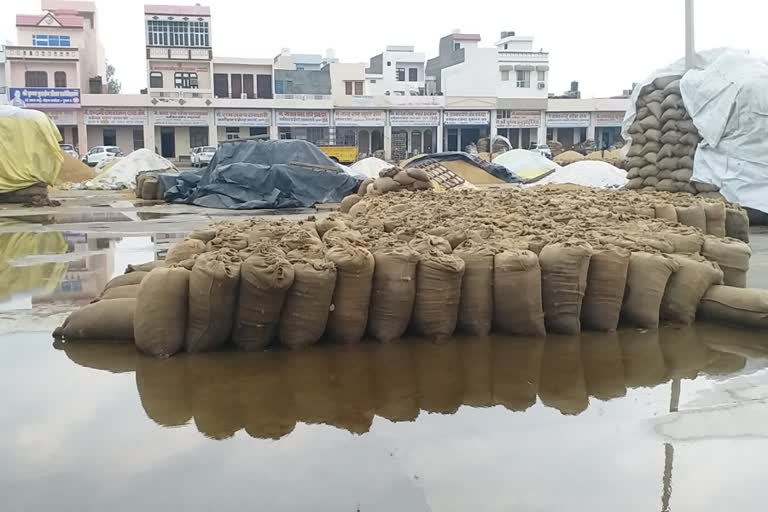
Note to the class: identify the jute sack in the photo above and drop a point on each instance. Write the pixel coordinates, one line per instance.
(693, 216)
(606, 280)
(564, 269)
(125, 280)
(184, 250)
(744, 307)
(737, 224)
(348, 202)
(128, 291)
(647, 279)
(517, 304)
(327, 223)
(438, 292)
(476, 304)
(715, 215)
(733, 257)
(106, 320)
(212, 299)
(305, 312)
(144, 267)
(265, 278)
(393, 292)
(685, 240)
(352, 295)
(666, 212)
(424, 243)
(687, 286)
(160, 321)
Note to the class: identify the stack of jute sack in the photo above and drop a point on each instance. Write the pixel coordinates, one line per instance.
(664, 142)
(523, 262)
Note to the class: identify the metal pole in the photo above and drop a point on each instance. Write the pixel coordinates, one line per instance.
(690, 50)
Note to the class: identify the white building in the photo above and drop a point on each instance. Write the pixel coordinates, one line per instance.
(398, 71)
(3, 88)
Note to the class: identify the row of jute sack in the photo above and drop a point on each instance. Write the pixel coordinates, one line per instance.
(351, 292)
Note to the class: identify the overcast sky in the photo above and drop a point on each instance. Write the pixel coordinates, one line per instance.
(604, 44)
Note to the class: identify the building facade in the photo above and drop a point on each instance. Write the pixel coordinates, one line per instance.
(398, 103)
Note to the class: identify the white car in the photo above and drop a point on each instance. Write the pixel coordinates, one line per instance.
(543, 150)
(69, 149)
(100, 153)
(202, 155)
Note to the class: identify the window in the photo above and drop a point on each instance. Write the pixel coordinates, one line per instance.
(155, 80)
(358, 88)
(220, 85)
(36, 79)
(138, 138)
(348, 88)
(524, 79)
(456, 45)
(400, 72)
(256, 131)
(264, 86)
(236, 80)
(279, 87)
(389, 63)
(233, 132)
(110, 137)
(541, 76)
(178, 33)
(198, 33)
(50, 40)
(248, 86)
(413, 74)
(198, 136)
(185, 80)
(59, 79)
(372, 81)
(505, 75)
(506, 46)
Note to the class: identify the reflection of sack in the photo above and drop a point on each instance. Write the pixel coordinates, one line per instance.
(160, 321)
(438, 293)
(106, 320)
(606, 280)
(564, 268)
(305, 312)
(393, 293)
(517, 306)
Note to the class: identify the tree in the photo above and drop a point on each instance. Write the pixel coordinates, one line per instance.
(113, 84)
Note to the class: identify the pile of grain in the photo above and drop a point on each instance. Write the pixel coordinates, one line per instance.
(74, 171)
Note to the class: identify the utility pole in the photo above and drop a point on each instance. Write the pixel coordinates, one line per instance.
(690, 50)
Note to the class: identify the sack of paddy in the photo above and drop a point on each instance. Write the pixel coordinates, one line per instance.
(265, 277)
(149, 188)
(418, 174)
(517, 302)
(386, 184)
(205, 235)
(637, 162)
(128, 291)
(743, 307)
(668, 164)
(361, 191)
(352, 295)
(564, 268)
(144, 267)
(347, 203)
(647, 279)
(160, 321)
(606, 280)
(675, 114)
(212, 299)
(308, 302)
(476, 303)
(184, 250)
(693, 216)
(715, 215)
(126, 280)
(687, 286)
(733, 257)
(393, 292)
(438, 293)
(651, 122)
(665, 184)
(684, 239)
(106, 320)
(737, 224)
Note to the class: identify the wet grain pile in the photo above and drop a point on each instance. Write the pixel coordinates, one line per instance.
(525, 262)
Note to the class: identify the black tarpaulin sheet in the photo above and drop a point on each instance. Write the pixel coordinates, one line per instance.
(498, 171)
(264, 174)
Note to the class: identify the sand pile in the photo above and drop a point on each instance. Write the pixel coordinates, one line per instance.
(74, 171)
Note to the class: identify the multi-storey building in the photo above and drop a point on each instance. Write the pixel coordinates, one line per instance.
(397, 103)
(3, 89)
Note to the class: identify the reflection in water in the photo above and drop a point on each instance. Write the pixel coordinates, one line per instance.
(267, 394)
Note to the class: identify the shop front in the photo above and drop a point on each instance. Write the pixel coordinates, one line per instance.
(179, 130)
(310, 125)
(122, 127)
(241, 123)
(66, 122)
(361, 128)
(413, 132)
(521, 127)
(607, 128)
(464, 127)
(568, 128)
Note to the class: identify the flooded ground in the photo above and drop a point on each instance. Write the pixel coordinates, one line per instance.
(669, 420)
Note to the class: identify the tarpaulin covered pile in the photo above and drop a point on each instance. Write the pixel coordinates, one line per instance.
(29, 149)
(264, 174)
(499, 172)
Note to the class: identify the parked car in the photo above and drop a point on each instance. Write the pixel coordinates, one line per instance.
(70, 150)
(543, 150)
(100, 153)
(202, 155)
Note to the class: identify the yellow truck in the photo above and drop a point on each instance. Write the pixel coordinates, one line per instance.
(341, 154)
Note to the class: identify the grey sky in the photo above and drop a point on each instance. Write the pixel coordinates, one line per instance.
(605, 45)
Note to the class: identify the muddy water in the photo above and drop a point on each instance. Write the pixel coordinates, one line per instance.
(669, 420)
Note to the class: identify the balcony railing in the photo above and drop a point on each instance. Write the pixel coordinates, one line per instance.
(176, 94)
(304, 97)
(523, 56)
(41, 53)
(162, 52)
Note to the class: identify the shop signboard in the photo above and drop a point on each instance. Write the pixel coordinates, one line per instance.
(518, 119)
(32, 97)
(609, 118)
(62, 117)
(303, 118)
(180, 117)
(567, 119)
(243, 117)
(466, 117)
(414, 117)
(114, 116)
(360, 118)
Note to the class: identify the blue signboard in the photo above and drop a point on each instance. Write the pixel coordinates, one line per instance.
(43, 96)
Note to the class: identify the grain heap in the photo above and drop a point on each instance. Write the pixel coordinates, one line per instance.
(528, 262)
(664, 141)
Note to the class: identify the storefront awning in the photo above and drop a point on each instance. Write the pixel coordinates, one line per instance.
(524, 67)
(542, 68)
